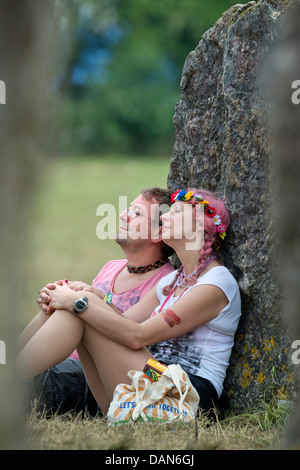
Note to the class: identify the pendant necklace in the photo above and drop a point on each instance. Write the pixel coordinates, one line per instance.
(182, 279)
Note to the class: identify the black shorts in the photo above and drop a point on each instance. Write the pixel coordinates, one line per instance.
(206, 391)
(62, 389)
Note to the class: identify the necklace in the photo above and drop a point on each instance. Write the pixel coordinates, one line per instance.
(148, 267)
(182, 279)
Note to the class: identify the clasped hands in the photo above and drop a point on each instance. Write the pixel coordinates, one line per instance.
(58, 294)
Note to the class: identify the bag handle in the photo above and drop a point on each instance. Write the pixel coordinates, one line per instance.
(140, 403)
(173, 369)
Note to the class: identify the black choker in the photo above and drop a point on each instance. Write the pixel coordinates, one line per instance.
(149, 267)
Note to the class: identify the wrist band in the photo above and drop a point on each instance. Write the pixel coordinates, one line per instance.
(108, 298)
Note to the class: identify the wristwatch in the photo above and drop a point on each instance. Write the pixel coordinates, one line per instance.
(80, 305)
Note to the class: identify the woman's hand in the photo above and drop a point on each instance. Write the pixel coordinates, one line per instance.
(62, 297)
(45, 293)
(44, 299)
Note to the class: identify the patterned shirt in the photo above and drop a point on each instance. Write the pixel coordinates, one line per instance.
(204, 351)
(105, 280)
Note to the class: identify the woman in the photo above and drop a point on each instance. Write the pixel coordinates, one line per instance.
(189, 318)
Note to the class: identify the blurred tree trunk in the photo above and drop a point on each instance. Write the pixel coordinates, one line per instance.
(26, 48)
(282, 72)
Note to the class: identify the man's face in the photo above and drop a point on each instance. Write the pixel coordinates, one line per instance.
(139, 223)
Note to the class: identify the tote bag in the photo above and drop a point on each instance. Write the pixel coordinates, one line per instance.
(172, 397)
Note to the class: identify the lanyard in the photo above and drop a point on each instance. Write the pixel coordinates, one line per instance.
(209, 260)
(167, 298)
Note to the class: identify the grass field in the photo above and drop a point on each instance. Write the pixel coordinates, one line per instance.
(257, 430)
(62, 243)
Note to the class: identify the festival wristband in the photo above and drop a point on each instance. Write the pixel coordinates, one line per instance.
(108, 298)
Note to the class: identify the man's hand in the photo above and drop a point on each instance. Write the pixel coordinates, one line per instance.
(45, 297)
(79, 285)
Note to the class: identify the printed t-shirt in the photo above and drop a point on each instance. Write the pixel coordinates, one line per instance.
(205, 351)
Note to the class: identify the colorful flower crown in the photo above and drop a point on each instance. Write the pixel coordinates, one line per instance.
(209, 210)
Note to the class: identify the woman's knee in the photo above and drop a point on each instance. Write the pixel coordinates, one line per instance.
(68, 321)
(90, 334)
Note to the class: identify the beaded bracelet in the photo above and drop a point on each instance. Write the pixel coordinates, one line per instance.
(108, 298)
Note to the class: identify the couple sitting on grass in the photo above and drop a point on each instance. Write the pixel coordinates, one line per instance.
(186, 316)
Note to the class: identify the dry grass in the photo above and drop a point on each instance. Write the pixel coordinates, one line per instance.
(263, 429)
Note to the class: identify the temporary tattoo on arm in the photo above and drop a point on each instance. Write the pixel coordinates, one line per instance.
(171, 318)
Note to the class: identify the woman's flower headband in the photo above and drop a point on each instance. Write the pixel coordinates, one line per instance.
(209, 210)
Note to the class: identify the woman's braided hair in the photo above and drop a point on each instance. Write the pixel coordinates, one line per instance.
(212, 240)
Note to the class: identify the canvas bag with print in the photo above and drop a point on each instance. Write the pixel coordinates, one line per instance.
(172, 397)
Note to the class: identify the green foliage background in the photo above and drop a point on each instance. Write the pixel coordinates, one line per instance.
(127, 104)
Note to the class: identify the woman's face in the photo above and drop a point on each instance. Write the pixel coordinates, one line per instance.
(179, 226)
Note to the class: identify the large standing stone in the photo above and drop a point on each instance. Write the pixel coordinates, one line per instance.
(223, 144)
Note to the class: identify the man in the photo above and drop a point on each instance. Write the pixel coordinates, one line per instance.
(121, 284)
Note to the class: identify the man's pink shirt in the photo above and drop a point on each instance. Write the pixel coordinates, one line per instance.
(105, 280)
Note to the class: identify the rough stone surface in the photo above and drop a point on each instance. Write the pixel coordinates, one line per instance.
(223, 144)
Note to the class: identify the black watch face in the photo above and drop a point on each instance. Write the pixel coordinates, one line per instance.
(80, 304)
